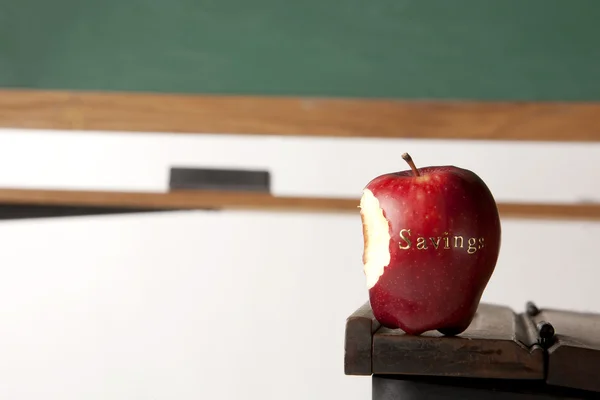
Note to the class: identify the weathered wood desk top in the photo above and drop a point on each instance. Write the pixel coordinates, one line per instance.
(555, 348)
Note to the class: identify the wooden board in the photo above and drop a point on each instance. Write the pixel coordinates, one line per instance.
(360, 327)
(368, 118)
(487, 349)
(574, 358)
(498, 345)
(238, 200)
(430, 49)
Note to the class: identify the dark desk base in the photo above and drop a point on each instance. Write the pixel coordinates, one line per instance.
(412, 388)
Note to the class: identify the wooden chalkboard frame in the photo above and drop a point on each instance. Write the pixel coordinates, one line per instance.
(82, 111)
(256, 201)
(300, 116)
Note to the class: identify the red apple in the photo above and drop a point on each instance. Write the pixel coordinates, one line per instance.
(431, 242)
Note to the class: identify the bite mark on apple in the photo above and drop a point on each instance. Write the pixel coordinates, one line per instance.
(376, 234)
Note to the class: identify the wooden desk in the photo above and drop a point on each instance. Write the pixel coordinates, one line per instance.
(540, 354)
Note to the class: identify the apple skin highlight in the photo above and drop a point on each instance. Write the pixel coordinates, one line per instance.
(443, 242)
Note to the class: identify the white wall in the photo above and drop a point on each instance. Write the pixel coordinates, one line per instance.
(232, 305)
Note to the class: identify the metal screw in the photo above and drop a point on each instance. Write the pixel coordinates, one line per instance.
(531, 309)
(546, 333)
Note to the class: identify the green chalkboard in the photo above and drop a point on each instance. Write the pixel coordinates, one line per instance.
(465, 49)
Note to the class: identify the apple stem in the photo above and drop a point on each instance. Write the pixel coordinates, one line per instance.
(410, 162)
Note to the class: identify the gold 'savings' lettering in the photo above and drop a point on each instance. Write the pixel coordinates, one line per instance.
(445, 242)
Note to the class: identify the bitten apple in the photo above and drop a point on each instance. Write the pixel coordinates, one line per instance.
(431, 243)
